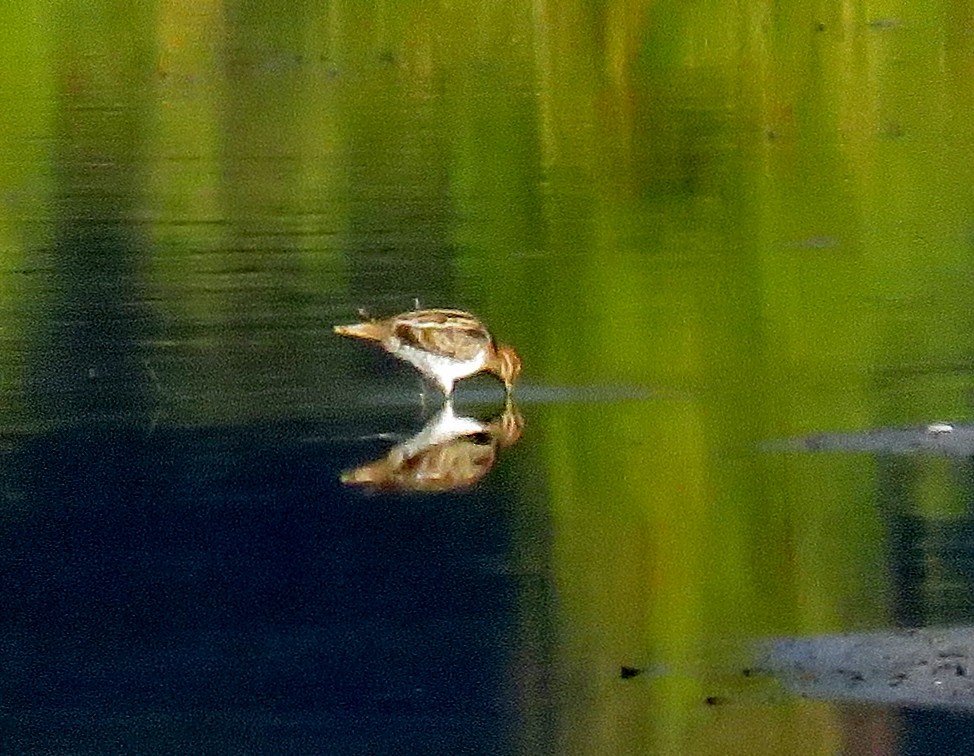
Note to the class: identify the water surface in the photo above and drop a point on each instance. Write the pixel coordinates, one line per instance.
(731, 248)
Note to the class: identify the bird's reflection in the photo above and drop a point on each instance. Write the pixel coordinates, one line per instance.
(450, 453)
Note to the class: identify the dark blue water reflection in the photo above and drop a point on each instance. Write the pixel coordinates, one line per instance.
(217, 591)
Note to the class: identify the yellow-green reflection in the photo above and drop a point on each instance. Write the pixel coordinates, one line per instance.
(762, 215)
(27, 99)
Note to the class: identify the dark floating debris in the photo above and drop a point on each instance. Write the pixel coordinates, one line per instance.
(627, 673)
(885, 24)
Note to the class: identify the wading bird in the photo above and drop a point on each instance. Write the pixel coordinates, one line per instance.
(444, 345)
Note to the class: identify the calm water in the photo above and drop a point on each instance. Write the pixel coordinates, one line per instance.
(732, 251)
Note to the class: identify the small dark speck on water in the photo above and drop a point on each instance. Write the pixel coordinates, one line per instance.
(885, 24)
(893, 130)
(627, 673)
(817, 242)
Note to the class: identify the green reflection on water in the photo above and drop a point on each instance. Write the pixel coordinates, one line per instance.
(763, 218)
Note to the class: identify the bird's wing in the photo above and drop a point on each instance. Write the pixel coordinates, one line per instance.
(449, 333)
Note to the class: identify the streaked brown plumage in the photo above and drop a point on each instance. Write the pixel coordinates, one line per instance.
(450, 453)
(444, 345)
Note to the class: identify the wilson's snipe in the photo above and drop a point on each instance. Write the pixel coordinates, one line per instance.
(444, 345)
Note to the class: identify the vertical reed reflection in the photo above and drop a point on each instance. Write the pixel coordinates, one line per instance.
(94, 316)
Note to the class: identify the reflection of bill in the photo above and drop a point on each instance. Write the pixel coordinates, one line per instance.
(450, 453)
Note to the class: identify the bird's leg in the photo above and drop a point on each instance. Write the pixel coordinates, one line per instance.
(425, 388)
(422, 383)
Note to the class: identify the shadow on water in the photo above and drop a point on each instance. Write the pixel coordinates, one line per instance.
(220, 585)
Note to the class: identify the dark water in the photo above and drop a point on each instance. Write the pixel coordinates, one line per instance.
(217, 590)
(731, 248)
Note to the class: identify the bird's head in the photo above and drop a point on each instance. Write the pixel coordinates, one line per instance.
(507, 366)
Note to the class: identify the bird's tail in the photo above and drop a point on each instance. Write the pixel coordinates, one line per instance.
(370, 331)
(371, 474)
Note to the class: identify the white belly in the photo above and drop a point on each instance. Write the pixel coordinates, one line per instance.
(444, 370)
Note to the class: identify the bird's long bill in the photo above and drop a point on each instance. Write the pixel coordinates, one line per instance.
(369, 331)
